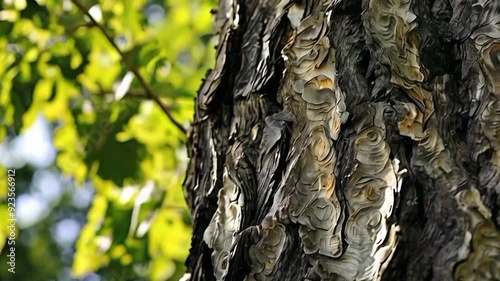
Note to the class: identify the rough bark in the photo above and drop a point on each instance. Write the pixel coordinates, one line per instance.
(348, 140)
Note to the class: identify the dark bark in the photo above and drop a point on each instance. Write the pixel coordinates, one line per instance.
(348, 140)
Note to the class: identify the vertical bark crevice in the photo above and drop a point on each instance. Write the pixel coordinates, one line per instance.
(208, 140)
(352, 57)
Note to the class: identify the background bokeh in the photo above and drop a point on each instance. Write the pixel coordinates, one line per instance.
(98, 164)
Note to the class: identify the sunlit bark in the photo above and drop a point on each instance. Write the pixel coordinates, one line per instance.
(348, 140)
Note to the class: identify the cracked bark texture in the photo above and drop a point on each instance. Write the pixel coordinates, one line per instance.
(348, 140)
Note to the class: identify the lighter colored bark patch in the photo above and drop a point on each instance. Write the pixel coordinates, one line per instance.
(317, 104)
(270, 246)
(371, 189)
(391, 25)
(220, 235)
(483, 261)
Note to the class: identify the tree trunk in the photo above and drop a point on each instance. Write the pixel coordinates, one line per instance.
(348, 140)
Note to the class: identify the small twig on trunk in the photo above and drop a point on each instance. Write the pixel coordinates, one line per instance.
(137, 74)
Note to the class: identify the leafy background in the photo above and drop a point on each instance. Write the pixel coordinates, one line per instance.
(99, 166)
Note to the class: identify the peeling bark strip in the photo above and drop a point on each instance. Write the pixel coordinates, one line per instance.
(348, 140)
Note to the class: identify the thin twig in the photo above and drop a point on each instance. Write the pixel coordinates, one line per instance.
(72, 28)
(149, 92)
(133, 93)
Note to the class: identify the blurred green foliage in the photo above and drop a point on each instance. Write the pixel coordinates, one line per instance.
(108, 133)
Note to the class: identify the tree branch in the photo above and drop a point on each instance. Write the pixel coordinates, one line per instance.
(137, 74)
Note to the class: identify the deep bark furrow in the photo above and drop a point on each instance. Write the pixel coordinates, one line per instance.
(272, 162)
(351, 56)
(436, 165)
(240, 183)
(207, 143)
